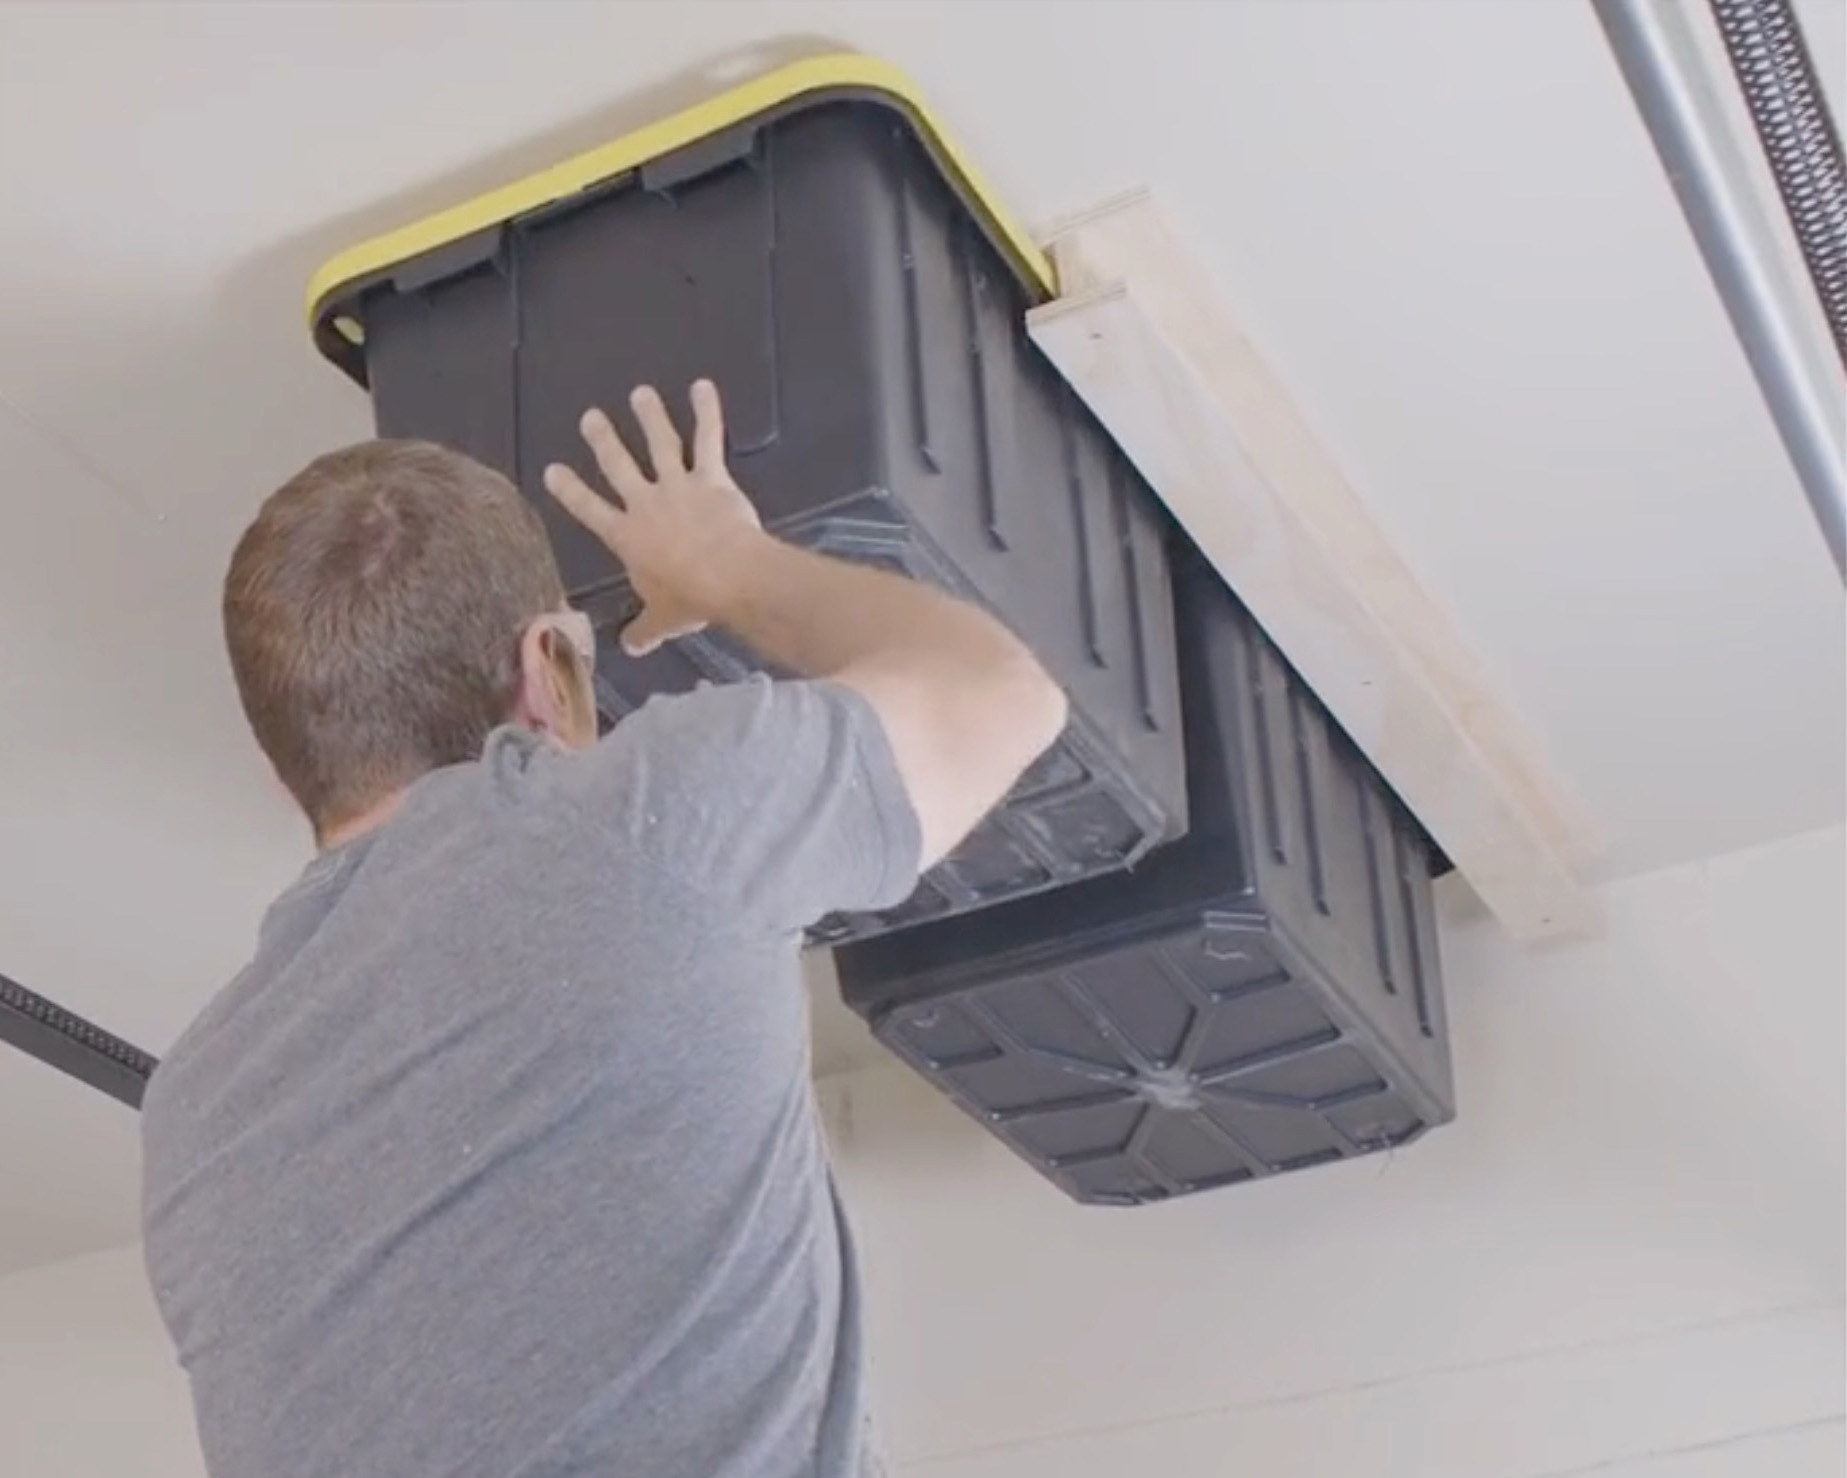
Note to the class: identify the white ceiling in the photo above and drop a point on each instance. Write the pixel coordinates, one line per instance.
(1440, 218)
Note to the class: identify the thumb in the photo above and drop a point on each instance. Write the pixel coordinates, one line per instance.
(657, 624)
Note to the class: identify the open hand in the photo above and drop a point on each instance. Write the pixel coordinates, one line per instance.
(674, 527)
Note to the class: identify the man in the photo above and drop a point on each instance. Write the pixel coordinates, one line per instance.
(500, 1158)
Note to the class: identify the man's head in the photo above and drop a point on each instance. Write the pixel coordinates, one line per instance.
(391, 605)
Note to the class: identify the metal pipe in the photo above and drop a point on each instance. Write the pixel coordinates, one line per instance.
(1771, 313)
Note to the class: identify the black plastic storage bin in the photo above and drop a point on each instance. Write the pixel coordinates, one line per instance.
(816, 247)
(1262, 996)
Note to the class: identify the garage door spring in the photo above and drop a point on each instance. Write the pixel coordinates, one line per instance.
(64, 1040)
(1771, 61)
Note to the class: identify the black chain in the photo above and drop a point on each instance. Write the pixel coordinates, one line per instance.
(66, 1041)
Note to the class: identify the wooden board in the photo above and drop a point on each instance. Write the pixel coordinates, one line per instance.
(1140, 335)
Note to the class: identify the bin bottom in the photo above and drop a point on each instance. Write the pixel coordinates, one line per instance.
(1192, 1058)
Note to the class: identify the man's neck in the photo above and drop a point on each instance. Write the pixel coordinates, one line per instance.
(368, 820)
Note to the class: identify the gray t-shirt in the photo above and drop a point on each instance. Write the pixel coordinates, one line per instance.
(501, 1159)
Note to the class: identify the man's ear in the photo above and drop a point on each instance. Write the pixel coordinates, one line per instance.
(534, 705)
(553, 696)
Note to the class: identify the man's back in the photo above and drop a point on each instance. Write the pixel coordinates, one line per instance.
(501, 1157)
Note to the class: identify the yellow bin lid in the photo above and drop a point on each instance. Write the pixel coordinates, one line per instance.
(334, 289)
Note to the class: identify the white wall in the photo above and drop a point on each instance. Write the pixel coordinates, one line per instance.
(1625, 1258)
(87, 1388)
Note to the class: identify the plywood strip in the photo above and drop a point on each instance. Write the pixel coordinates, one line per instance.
(1139, 333)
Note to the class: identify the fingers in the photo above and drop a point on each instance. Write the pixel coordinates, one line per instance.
(611, 453)
(665, 449)
(657, 429)
(595, 512)
(708, 427)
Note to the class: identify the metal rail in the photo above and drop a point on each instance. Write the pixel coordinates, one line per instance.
(64, 1040)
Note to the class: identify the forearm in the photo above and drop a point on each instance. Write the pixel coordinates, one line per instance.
(818, 617)
(965, 705)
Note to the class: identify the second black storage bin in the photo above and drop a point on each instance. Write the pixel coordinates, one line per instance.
(1262, 996)
(824, 261)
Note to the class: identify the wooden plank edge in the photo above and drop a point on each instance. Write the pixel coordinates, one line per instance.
(1341, 605)
(1105, 246)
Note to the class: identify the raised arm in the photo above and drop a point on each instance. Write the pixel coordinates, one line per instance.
(965, 706)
